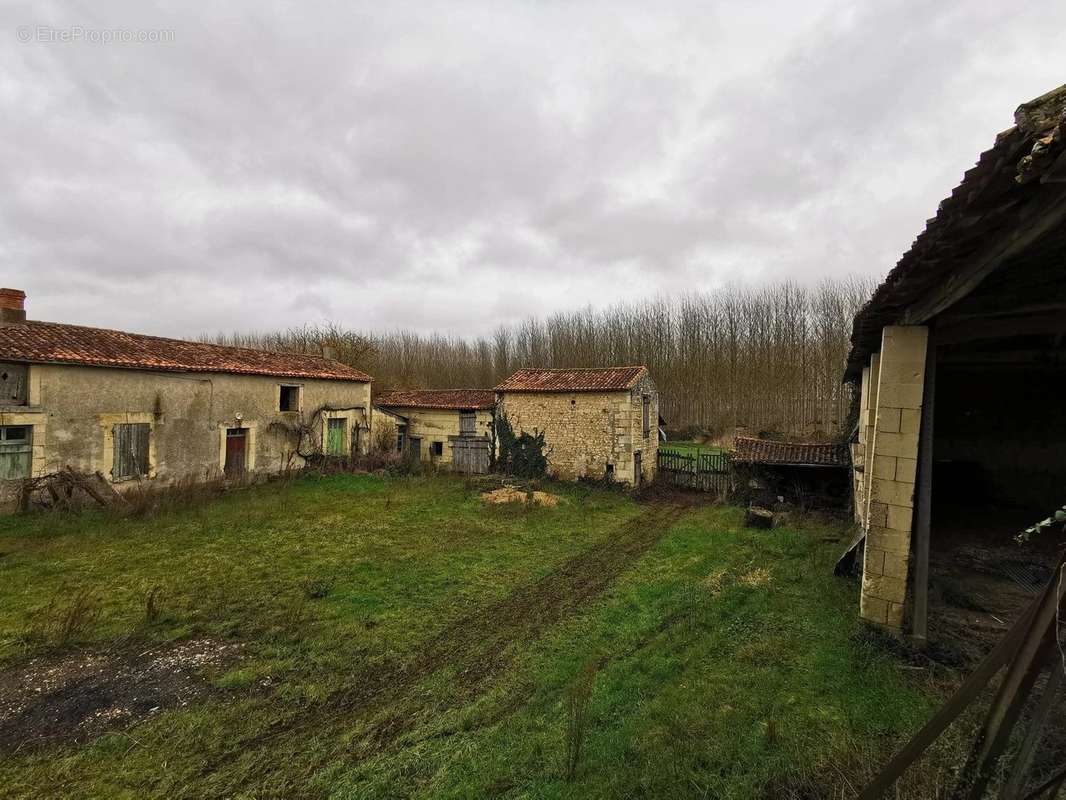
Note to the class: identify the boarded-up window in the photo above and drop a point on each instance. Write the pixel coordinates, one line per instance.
(13, 384)
(467, 423)
(16, 452)
(131, 450)
(647, 415)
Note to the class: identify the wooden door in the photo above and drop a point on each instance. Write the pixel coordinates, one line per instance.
(236, 448)
(335, 429)
(638, 472)
(416, 448)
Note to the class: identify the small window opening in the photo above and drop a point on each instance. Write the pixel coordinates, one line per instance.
(610, 471)
(438, 448)
(289, 399)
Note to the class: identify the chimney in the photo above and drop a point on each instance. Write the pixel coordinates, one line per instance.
(12, 306)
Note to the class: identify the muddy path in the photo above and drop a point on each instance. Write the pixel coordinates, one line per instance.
(476, 648)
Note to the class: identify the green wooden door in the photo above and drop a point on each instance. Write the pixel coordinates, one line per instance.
(335, 444)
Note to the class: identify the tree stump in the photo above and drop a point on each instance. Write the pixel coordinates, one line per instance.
(759, 518)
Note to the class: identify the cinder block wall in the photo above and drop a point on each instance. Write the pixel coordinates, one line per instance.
(891, 460)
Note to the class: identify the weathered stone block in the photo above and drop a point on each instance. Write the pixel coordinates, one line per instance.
(884, 586)
(899, 518)
(879, 514)
(895, 565)
(873, 609)
(903, 445)
(906, 469)
(899, 395)
(910, 420)
(873, 562)
(888, 420)
(889, 540)
(892, 492)
(885, 467)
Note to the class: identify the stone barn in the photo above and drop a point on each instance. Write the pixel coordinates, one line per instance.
(449, 427)
(141, 408)
(960, 362)
(597, 423)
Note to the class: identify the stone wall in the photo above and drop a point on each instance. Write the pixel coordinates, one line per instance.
(587, 432)
(896, 380)
(72, 411)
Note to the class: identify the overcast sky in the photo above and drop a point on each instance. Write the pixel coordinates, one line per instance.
(453, 166)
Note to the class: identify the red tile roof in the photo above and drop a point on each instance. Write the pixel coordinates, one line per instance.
(766, 451)
(437, 398)
(53, 343)
(608, 379)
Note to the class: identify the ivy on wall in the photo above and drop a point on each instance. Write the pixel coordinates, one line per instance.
(520, 454)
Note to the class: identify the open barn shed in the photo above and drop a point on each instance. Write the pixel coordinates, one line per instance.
(961, 359)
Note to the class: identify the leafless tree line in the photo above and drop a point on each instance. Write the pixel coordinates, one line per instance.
(767, 358)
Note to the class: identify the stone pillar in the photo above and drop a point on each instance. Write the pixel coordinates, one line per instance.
(891, 463)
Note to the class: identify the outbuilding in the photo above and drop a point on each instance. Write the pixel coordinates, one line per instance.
(597, 423)
(960, 363)
(448, 427)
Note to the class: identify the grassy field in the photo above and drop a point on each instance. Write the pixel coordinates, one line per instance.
(371, 638)
(689, 448)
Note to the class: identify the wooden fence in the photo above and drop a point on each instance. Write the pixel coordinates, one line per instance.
(706, 472)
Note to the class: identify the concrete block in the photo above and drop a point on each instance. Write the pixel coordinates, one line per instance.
(899, 518)
(906, 469)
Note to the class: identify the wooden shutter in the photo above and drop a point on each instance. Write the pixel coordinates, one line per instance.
(131, 450)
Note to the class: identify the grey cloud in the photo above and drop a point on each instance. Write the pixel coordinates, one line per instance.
(455, 165)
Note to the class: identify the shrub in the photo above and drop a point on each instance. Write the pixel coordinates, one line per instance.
(522, 454)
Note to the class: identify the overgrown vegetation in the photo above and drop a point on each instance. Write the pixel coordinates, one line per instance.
(398, 637)
(522, 454)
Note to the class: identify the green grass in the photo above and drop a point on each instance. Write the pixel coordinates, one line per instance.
(689, 448)
(727, 663)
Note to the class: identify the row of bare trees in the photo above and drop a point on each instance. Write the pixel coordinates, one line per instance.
(767, 358)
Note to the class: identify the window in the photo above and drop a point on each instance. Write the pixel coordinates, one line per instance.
(131, 450)
(467, 423)
(647, 414)
(289, 398)
(399, 441)
(16, 452)
(336, 430)
(438, 449)
(13, 384)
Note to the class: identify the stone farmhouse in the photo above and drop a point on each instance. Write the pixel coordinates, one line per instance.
(597, 423)
(137, 408)
(960, 365)
(449, 427)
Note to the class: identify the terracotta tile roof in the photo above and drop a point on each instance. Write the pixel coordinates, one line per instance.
(607, 379)
(437, 398)
(766, 451)
(994, 198)
(53, 343)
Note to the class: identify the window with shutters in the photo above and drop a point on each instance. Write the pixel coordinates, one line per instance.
(16, 452)
(131, 450)
(13, 379)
